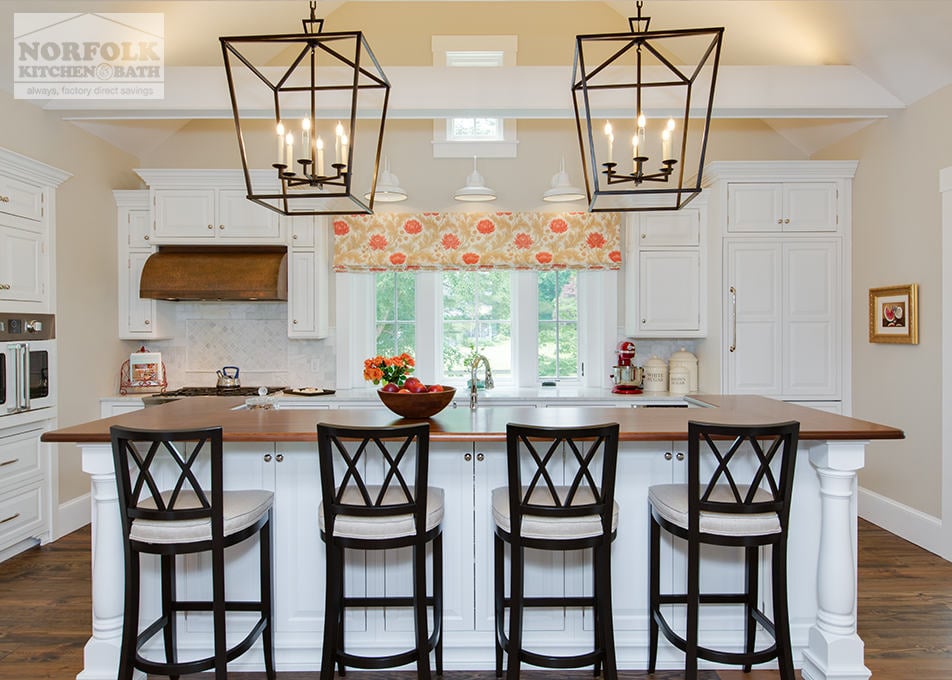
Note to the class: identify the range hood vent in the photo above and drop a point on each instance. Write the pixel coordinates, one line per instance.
(258, 273)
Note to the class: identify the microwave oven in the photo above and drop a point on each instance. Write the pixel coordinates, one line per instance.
(27, 363)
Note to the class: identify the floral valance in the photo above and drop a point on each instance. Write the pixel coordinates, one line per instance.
(454, 240)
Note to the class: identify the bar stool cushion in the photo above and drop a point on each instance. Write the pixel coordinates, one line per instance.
(240, 509)
(560, 528)
(384, 527)
(671, 502)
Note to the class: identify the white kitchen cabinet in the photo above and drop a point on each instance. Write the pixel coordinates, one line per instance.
(24, 473)
(23, 264)
(782, 206)
(664, 271)
(783, 319)
(139, 318)
(211, 216)
(21, 199)
(308, 278)
(27, 234)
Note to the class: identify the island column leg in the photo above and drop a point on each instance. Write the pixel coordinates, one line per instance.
(834, 650)
(101, 653)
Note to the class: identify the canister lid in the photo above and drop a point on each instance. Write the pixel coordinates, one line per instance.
(683, 355)
(655, 362)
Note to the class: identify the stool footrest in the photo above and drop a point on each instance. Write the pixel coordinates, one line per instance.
(385, 601)
(704, 598)
(196, 665)
(553, 602)
(718, 656)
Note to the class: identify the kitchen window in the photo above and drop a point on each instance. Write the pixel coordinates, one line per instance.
(528, 324)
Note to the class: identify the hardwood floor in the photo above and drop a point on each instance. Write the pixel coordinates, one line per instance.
(905, 616)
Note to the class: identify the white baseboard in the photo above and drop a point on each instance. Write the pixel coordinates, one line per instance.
(72, 515)
(913, 525)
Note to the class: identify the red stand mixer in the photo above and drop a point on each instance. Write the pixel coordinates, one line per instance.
(626, 377)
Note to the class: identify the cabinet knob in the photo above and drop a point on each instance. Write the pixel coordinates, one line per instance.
(4, 199)
(294, 322)
(221, 226)
(480, 457)
(787, 221)
(211, 226)
(644, 321)
(4, 286)
(780, 221)
(294, 236)
(680, 456)
(146, 237)
(468, 457)
(644, 236)
(147, 322)
(279, 457)
(267, 458)
(667, 455)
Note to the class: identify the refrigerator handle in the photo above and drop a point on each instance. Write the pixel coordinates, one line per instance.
(25, 376)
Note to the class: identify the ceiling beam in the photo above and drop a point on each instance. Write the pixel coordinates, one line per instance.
(541, 92)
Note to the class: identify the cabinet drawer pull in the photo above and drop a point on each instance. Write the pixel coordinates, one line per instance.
(667, 455)
(468, 457)
(211, 226)
(279, 457)
(4, 286)
(267, 458)
(9, 462)
(787, 221)
(480, 457)
(9, 519)
(4, 199)
(679, 455)
(780, 220)
(221, 226)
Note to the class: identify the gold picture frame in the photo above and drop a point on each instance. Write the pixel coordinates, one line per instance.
(894, 314)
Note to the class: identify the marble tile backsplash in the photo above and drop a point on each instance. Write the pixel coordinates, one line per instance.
(251, 336)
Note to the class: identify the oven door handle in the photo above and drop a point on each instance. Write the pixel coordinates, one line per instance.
(25, 376)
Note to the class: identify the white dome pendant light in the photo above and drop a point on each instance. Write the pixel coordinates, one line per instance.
(388, 187)
(562, 190)
(475, 189)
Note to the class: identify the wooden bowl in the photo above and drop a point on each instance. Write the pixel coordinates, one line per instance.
(419, 405)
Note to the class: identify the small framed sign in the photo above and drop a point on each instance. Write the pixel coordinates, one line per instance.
(894, 314)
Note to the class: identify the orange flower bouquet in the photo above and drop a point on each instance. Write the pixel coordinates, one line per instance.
(388, 369)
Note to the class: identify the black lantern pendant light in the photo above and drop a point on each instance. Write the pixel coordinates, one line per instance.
(307, 157)
(628, 86)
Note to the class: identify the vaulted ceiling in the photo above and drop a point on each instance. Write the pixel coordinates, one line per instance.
(814, 70)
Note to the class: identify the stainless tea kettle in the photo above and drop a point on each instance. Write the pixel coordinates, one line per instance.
(226, 380)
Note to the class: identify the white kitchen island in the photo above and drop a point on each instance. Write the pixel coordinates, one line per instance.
(276, 449)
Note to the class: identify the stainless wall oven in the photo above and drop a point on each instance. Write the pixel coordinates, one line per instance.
(27, 364)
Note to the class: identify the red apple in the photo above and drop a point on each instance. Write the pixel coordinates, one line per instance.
(416, 387)
(412, 380)
(403, 391)
(435, 388)
(390, 387)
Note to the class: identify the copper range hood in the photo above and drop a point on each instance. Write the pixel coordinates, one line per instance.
(246, 273)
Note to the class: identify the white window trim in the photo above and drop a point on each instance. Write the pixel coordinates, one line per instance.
(597, 312)
(508, 45)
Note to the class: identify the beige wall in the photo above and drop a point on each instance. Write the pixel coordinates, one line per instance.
(896, 240)
(89, 353)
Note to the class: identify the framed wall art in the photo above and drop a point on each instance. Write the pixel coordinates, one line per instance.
(894, 314)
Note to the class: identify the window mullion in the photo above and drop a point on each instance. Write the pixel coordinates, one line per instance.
(525, 328)
(428, 352)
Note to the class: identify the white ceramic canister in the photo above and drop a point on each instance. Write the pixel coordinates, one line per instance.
(655, 375)
(679, 379)
(688, 361)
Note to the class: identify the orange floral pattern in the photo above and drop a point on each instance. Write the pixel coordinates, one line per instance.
(458, 240)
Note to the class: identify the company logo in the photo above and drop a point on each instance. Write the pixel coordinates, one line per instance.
(88, 56)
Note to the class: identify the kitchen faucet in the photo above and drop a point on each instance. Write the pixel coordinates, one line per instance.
(487, 379)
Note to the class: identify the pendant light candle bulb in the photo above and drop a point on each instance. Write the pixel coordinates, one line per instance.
(666, 145)
(343, 149)
(280, 130)
(611, 139)
(289, 154)
(634, 151)
(306, 135)
(338, 132)
(319, 143)
(641, 122)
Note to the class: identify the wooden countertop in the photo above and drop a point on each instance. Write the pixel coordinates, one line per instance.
(486, 423)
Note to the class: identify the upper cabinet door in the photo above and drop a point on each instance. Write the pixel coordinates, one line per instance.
(669, 290)
(21, 199)
(675, 228)
(810, 206)
(755, 206)
(184, 214)
(21, 266)
(241, 219)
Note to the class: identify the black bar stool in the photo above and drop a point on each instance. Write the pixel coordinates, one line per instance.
(181, 519)
(398, 510)
(744, 502)
(534, 512)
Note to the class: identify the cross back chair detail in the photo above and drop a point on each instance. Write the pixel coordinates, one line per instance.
(185, 518)
(536, 512)
(744, 502)
(359, 511)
